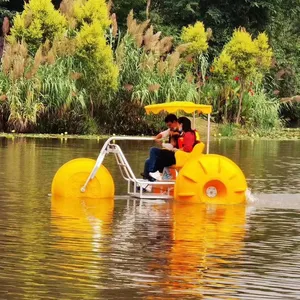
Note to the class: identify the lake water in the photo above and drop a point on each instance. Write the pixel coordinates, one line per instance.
(130, 249)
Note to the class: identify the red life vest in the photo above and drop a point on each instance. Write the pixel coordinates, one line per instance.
(197, 139)
(180, 142)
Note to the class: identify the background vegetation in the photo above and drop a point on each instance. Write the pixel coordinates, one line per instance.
(87, 66)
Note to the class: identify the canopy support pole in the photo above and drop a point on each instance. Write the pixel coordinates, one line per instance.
(194, 121)
(208, 134)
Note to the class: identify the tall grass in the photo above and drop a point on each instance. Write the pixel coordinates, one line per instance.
(150, 71)
(35, 87)
(58, 86)
(261, 112)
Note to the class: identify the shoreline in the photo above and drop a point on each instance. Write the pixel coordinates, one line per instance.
(282, 135)
(285, 134)
(53, 136)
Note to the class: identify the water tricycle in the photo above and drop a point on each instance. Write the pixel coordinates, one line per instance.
(198, 177)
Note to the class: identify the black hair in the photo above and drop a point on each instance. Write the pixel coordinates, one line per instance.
(186, 124)
(175, 137)
(170, 118)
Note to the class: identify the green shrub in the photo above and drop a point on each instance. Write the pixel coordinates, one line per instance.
(39, 22)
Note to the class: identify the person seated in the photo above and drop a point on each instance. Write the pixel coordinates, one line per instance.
(166, 158)
(190, 136)
(173, 128)
(166, 173)
(173, 143)
(155, 152)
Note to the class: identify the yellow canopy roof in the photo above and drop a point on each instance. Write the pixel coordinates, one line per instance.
(172, 107)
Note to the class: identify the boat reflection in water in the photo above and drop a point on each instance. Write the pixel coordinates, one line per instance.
(81, 224)
(81, 234)
(202, 258)
(174, 249)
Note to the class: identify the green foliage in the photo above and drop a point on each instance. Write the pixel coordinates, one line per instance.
(97, 59)
(38, 22)
(222, 16)
(24, 104)
(76, 83)
(128, 118)
(196, 37)
(261, 112)
(264, 53)
(94, 56)
(123, 7)
(52, 86)
(164, 88)
(224, 67)
(128, 58)
(244, 58)
(58, 91)
(228, 130)
(4, 12)
(291, 113)
(242, 52)
(89, 11)
(284, 78)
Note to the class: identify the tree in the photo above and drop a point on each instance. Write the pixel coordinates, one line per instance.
(89, 11)
(196, 38)
(123, 7)
(89, 20)
(244, 58)
(38, 22)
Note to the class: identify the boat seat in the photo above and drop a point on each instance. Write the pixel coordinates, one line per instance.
(182, 157)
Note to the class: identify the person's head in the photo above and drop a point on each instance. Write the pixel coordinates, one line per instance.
(185, 124)
(171, 121)
(174, 140)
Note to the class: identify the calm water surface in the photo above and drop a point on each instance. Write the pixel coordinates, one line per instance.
(130, 249)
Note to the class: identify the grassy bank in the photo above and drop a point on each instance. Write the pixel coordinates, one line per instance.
(230, 131)
(217, 132)
(52, 136)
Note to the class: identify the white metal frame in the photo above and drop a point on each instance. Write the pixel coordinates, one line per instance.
(208, 134)
(135, 185)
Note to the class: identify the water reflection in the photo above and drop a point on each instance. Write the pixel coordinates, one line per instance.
(194, 248)
(206, 240)
(80, 234)
(157, 250)
(81, 224)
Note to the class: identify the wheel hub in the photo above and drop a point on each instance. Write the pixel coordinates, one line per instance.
(211, 192)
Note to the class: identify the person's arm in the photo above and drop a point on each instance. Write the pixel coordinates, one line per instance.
(163, 135)
(188, 142)
(168, 146)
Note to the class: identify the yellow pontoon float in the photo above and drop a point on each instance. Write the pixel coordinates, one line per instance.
(201, 178)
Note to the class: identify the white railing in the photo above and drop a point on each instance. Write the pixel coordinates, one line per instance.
(133, 183)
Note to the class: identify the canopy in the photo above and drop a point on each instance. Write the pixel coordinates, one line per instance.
(172, 107)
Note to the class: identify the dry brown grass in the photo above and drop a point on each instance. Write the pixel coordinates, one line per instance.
(114, 25)
(136, 30)
(15, 59)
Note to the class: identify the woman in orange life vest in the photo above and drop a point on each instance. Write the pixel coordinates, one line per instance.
(185, 143)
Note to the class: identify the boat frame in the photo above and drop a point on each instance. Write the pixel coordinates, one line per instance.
(135, 186)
